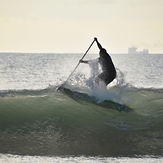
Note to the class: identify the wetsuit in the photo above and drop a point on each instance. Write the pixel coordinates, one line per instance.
(109, 71)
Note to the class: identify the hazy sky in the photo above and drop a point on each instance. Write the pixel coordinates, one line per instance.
(70, 25)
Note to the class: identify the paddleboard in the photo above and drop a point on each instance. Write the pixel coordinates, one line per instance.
(80, 97)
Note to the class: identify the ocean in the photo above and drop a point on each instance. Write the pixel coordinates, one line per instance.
(84, 122)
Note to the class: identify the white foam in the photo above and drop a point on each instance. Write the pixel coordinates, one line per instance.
(112, 92)
(69, 159)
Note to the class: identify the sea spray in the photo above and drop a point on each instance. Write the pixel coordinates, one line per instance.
(100, 91)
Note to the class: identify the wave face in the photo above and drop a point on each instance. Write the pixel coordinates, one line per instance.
(50, 122)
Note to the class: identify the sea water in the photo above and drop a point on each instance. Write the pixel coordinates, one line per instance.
(37, 71)
(40, 124)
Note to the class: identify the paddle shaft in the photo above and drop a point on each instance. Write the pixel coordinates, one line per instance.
(79, 61)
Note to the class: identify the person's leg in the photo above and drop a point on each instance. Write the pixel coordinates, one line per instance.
(101, 78)
(105, 78)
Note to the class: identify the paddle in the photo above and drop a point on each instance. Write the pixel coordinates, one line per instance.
(77, 64)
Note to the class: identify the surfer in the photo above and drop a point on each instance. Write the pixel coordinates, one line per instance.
(108, 70)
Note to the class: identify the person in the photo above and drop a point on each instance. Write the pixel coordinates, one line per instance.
(108, 69)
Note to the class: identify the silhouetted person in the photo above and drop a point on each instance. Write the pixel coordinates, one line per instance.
(108, 70)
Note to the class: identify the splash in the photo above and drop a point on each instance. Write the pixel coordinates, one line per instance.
(113, 91)
(83, 81)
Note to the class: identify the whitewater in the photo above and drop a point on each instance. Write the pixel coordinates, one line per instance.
(39, 123)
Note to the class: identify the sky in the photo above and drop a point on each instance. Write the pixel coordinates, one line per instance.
(69, 26)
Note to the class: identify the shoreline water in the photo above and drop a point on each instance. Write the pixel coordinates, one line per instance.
(80, 159)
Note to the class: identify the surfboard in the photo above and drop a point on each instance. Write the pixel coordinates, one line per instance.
(80, 97)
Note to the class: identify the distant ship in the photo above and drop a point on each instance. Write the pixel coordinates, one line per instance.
(133, 50)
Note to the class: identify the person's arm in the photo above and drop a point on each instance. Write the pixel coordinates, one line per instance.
(81, 61)
(98, 44)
